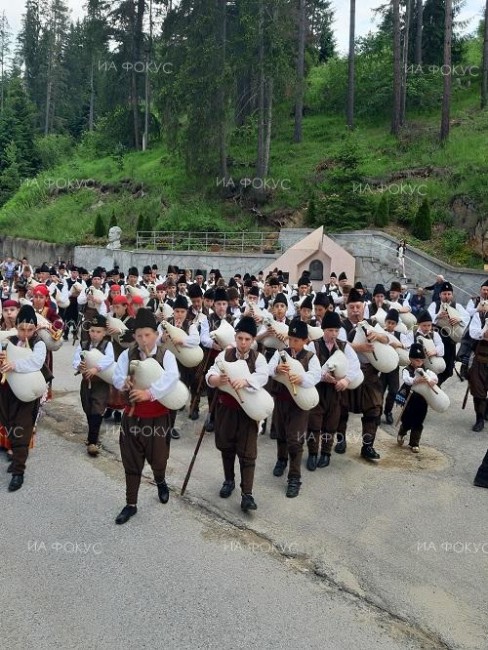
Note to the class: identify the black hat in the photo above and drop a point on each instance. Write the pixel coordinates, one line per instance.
(198, 272)
(392, 314)
(424, 317)
(146, 270)
(321, 299)
(253, 291)
(485, 283)
(416, 351)
(307, 303)
(73, 268)
(195, 291)
(154, 267)
(97, 273)
(333, 275)
(446, 286)
(133, 271)
(220, 295)
(248, 325)
(98, 321)
(181, 280)
(26, 315)
(280, 299)
(209, 294)
(343, 276)
(379, 290)
(180, 302)
(298, 328)
(359, 285)
(172, 269)
(303, 280)
(52, 271)
(145, 318)
(273, 282)
(331, 320)
(354, 296)
(246, 276)
(396, 286)
(44, 268)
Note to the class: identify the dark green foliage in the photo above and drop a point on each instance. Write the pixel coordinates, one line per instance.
(99, 229)
(148, 224)
(422, 225)
(382, 214)
(312, 212)
(113, 221)
(140, 223)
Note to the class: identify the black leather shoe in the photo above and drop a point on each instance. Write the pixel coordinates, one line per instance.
(209, 424)
(108, 414)
(248, 503)
(293, 487)
(324, 460)
(117, 417)
(163, 492)
(369, 452)
(16, 482)
(312, 462)
(175, 434)
(227, 489)
(341, 446)
(479, 425)
(279, 468)
(479, 483)
(194, 415)
(125, 514)
(389, 418)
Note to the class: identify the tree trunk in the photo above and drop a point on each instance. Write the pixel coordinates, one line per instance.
(260, 164)
(404, 64)
(446, 98)
(351, 72)
(484, 79)
(222, 17)
(91, 115)
(418, 33)
(268, 123)
(297, 136)
(397, 70)
(147, 88)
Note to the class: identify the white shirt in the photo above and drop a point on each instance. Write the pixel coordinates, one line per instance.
(107, 360)
(257, 380)
(35, 362)
(311, 377)
(159, 388)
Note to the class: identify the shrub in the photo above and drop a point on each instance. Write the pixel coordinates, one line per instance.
(99, 229)
(422, 225)
(382, 213)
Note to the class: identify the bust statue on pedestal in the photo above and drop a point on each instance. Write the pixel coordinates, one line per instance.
(114, 235)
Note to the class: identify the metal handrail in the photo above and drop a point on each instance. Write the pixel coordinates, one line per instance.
(183, 240)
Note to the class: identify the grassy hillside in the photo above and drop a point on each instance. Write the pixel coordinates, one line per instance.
(61, 205)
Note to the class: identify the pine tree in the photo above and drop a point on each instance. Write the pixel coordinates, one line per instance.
(422, 224)
(10, 178)
(99, 229)
(382, 215)
(113, 221)
(140, 223)
(4, 53)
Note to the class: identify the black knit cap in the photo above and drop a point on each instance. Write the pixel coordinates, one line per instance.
(307, 303)
(298, 329)
(424, 317)
(333, 275)
(331, 320)
(274, 282)
(220, 295)
(253, 291)
(354, 296)
(322, 299)
(146, 270)
(396, 286)
(248, 325)
(26, 315)
(416, 351)
(181, 280)
(303, 280)
(98, 321)
(343, 276)
(379, 290)
(446, 286)
(195, 291)
(180, 302)
(392, 314)
(209, 294)
(133, 271)
(44, 268)
(145, 318)
(280, 299)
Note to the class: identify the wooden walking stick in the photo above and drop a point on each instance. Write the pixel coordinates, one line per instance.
(465, 400)
(199, 442)
(403, 408)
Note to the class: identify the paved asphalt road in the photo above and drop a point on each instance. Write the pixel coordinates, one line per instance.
(392, 556)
